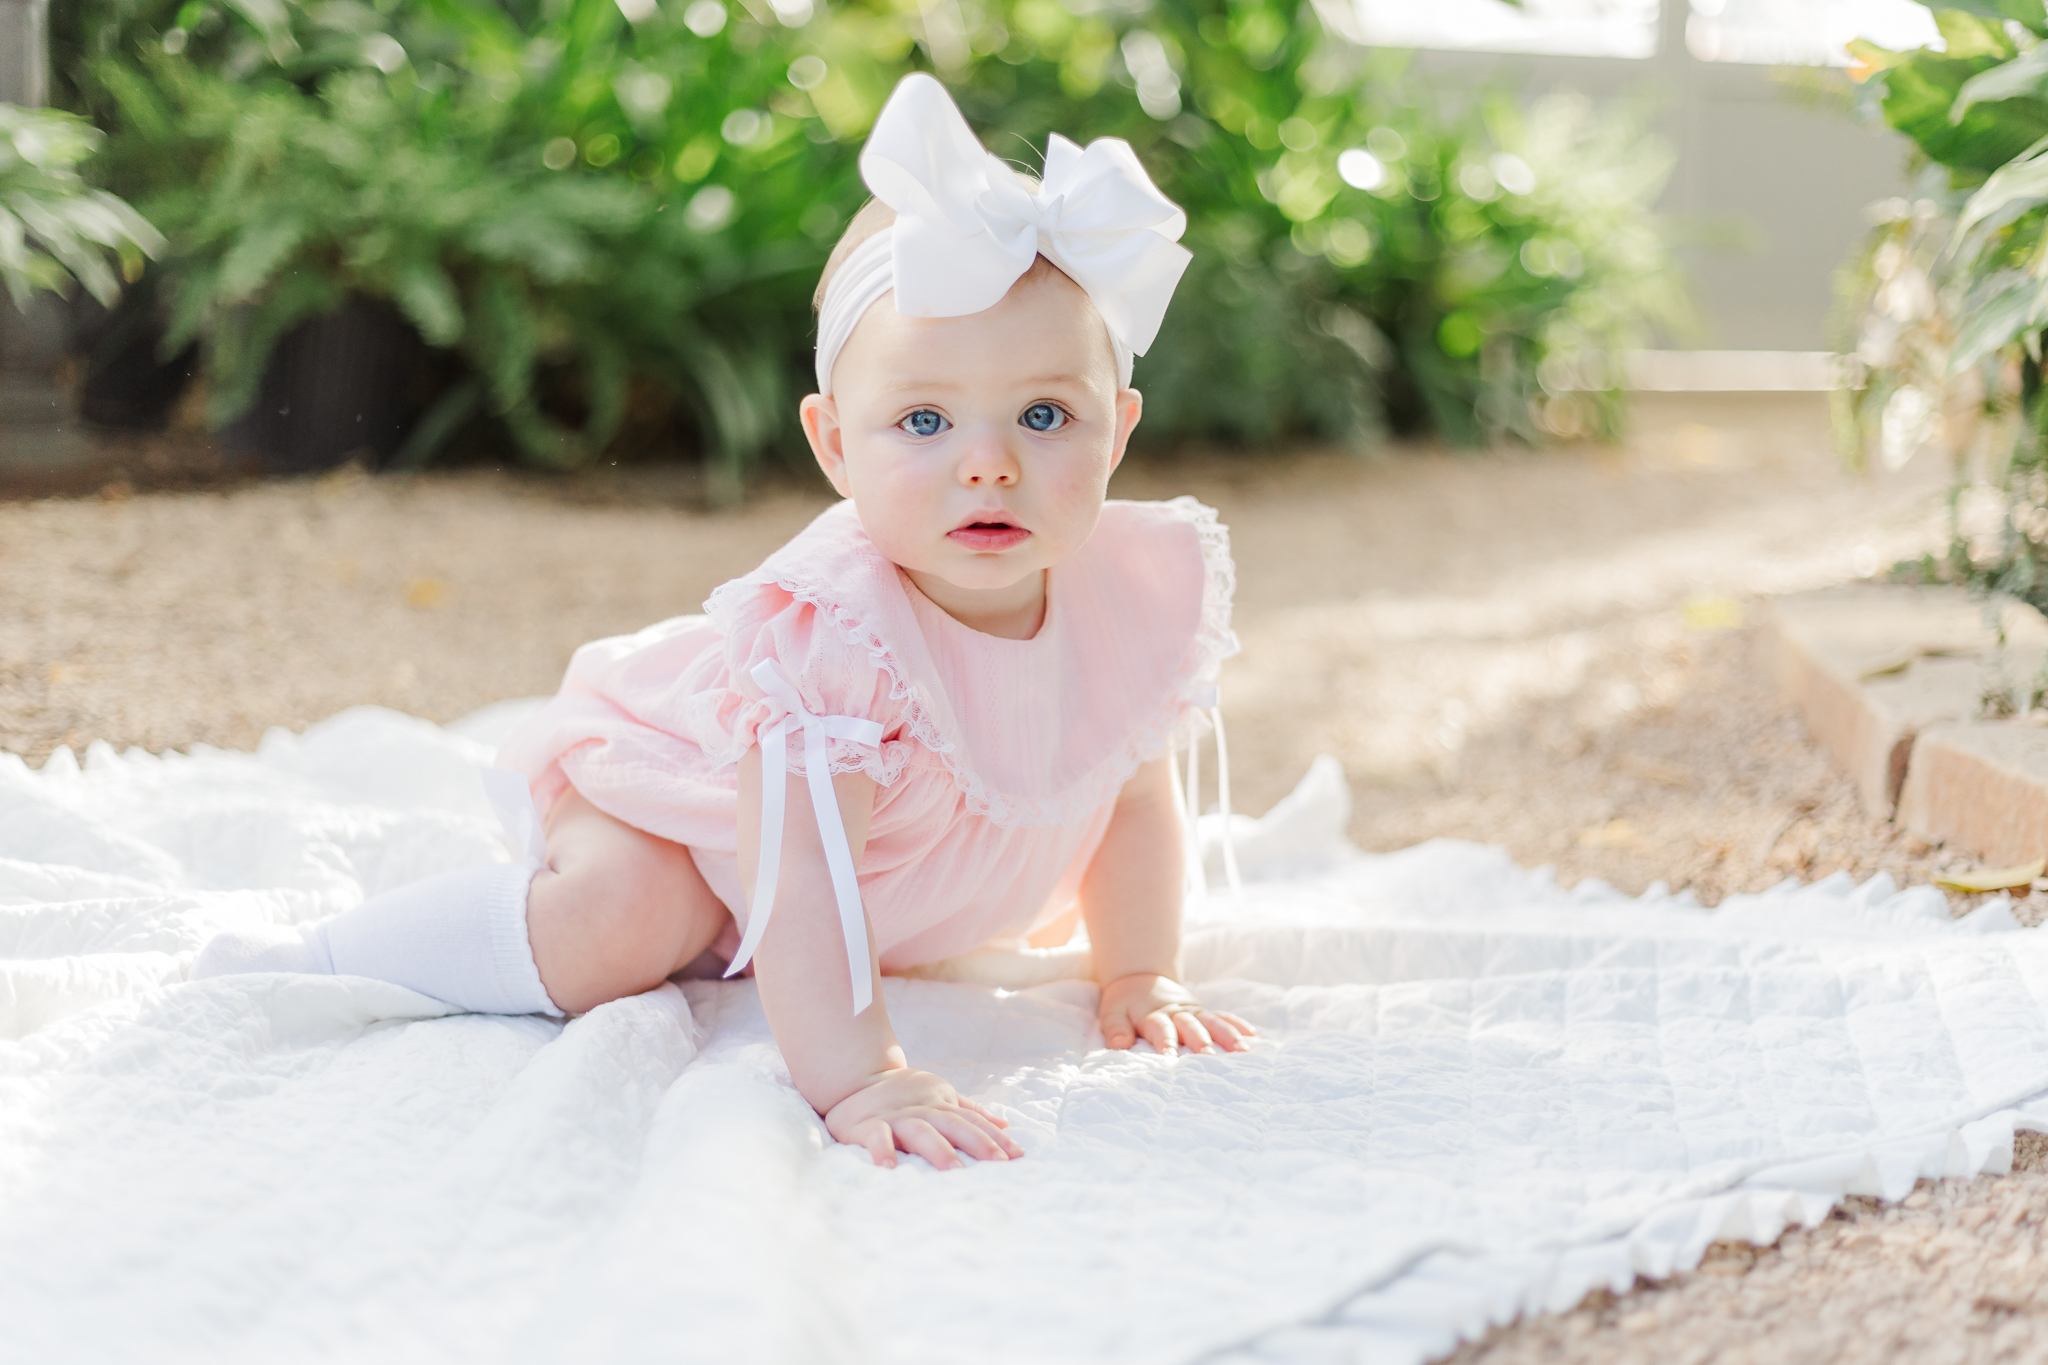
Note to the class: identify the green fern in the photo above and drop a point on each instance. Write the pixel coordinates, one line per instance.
(292, 169)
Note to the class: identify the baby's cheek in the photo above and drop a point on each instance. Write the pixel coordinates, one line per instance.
(884, 520)
(890, 496)
(1079, 503)
(900, 522)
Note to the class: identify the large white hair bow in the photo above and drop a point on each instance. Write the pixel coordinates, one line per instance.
(966, 228)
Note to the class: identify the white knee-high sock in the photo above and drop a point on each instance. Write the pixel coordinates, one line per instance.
(459, 937)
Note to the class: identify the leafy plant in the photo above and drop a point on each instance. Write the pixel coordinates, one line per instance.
(54, 228)
(437, 160)
(1949, 298)
(609, 206)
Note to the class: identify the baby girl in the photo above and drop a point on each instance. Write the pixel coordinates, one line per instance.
(939, 718)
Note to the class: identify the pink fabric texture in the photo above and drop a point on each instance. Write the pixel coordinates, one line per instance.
(1000, 759)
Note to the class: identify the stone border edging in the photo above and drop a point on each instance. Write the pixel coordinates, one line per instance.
(1892, 682)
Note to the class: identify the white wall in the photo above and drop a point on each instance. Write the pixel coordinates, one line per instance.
(1788, 182)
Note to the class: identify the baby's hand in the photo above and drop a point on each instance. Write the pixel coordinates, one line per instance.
(1166, 1014)
(920, 1113)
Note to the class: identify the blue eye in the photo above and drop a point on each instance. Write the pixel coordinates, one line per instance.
(1044, 417)
(924, 422)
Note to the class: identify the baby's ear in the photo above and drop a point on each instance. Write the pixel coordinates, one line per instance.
(1130, 406)
(820, 418)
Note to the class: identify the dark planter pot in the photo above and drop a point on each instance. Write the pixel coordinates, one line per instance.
(125, 382)
(340, 386)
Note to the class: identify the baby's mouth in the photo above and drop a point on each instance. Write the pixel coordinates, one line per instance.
(987, 535)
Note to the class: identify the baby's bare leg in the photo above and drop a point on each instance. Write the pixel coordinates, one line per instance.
(616, 910)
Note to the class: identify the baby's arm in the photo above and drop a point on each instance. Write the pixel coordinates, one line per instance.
(1131, 900)
(850, 1067)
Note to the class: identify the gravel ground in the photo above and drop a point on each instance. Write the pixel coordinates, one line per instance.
(1952, 1274)
(1555, 652)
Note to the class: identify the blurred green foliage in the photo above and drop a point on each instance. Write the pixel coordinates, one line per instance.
(54, 228)
(527, 188)
(619, 207)
(1947, 301)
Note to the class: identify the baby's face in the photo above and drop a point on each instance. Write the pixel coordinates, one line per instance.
(977, 449)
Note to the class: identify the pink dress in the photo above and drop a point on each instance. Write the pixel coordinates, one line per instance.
(1000, 760)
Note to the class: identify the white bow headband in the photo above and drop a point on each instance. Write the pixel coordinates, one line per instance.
(966, 228)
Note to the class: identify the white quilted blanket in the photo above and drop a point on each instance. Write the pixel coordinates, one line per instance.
(1477, 1095)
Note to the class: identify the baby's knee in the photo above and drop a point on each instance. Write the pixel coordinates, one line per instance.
(601, 931)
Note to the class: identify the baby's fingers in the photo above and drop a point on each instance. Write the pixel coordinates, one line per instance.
(1227, 1034)
(1157, 1029)
(972, 1136)
(1117, 1030)
(1192, 1035)
(992, 1125)
(1233, 1020)
(874, 1135)
(922, 1139)
(997, 1119)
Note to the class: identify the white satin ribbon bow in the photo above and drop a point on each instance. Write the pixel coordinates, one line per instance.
(966, 228)
(831, 829)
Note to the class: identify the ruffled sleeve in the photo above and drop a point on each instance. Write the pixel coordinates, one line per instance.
(764, 621)
(650, 727)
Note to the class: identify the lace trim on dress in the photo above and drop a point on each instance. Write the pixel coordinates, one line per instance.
(1177, 719)
(1214, 640)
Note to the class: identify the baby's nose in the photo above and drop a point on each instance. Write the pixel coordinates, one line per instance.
(989, 463)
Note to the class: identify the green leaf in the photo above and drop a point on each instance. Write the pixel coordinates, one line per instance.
(58, 229)
(1970, 35)
(261, 248)
(50, 225)
(554, 251)
(427, 296)
(1919, 94)
(270, 19)
(2028, 13)
(503, 340)
(14, 258)
(1999, 310)
(599, 203)
(2022, 182)
(440, 422)
(2026, 74)
(132, 225)
(192, 304)
(606, 369)
(480, 23)
(542, 441)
